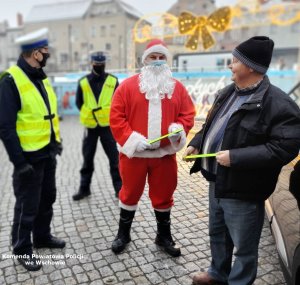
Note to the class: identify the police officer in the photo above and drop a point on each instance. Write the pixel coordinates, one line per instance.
(93, 99)
(29, 129)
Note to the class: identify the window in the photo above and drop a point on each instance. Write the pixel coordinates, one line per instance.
(108, 46)
(103, 31)
(93, 31)
(112, 30)
(63, 58)
(220, 62)
(76, 56)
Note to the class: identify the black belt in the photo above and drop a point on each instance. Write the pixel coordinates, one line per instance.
(49, 117)
(97, 109)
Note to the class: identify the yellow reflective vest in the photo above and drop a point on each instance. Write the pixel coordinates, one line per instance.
(33, 120)
(91, 112)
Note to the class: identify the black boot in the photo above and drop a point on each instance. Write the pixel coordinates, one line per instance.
(123, 236)
(50, 242)
(30, 262)
(164, 237)
(83, 192)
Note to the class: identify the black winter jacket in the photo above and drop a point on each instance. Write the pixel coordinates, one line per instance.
(262, 136)
(10, 104)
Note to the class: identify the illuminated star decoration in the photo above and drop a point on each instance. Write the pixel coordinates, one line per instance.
(199, 26)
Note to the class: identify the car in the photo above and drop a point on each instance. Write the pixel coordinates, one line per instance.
(283, 212)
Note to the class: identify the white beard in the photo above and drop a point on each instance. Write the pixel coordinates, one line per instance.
(156, 82)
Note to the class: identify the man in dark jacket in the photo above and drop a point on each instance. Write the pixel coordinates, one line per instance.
(29, 129)
(254, 128)
(93, 99)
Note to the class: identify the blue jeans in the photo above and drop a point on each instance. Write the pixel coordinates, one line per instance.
(235, 227)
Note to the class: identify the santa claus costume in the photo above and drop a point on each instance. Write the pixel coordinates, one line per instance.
(147, 106)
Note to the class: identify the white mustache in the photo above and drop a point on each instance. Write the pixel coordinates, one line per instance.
(156, 82)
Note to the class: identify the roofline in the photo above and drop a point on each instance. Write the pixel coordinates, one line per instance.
(56, 3)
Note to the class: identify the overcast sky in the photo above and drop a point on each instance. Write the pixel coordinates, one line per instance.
(11, 7)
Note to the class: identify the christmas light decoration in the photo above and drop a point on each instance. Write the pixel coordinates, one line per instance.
(200, 27)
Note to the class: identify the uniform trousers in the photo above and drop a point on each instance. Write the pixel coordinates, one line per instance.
(89, 148)
(33, 210)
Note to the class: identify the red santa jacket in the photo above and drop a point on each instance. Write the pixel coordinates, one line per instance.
(133, 117)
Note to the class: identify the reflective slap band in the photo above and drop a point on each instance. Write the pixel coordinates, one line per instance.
(165, 136)
(201, 155)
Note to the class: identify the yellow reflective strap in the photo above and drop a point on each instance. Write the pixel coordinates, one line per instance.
(102, 113)
(30, 140)
(27, 126)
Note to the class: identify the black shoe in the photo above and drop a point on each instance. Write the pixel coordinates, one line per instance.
(30, 263)
(82, 193)
(168, 246)
(52, 242)
(119, 244)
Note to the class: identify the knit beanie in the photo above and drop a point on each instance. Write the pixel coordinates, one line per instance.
(158, 46)
(256, 53)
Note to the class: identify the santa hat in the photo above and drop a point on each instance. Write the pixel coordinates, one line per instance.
(158, 46)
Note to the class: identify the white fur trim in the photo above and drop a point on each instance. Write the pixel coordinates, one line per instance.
(154, 121)
(163, 210)
(156, 48)
(127, 207)
(130, 145)
(167, 150)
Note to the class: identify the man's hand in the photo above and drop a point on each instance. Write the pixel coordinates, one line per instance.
(223, 158)
(142, 145)
(174, 137)
(189, 151)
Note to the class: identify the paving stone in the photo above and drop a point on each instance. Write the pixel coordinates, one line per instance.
(67, 272)
(119, 266)
(43, 279)
(82, 277)
(70, 281)
(55, 276)
(28, 282)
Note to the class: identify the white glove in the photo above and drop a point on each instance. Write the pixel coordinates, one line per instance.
(174, 137)
(142, 145)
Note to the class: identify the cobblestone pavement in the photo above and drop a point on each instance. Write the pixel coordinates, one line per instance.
(89, 226)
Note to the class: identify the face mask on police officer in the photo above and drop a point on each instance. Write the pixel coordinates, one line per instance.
(99, 68)
(45, 55)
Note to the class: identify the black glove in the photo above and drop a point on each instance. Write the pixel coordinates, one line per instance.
(59, 148)
(25, 171)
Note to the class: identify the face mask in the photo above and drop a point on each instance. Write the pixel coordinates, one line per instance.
(99, 69)
(46, 55)
(158, 62)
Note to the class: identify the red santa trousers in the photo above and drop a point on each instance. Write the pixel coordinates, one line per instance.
(162, 180)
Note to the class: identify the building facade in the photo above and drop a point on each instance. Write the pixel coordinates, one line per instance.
(8, 50)
(77, 28)
(279, 21)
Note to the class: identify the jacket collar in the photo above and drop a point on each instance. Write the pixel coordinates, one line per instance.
(257, 96)
(32, 72)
